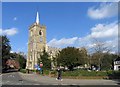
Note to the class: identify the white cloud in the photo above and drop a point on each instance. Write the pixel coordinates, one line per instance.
(108, 33)
(10, 32)
(105, 30)
(15, 18)
(112, 45)
(62, 42)
(105, 10)
(91, 45)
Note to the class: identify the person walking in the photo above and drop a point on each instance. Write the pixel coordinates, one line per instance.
(59, 77)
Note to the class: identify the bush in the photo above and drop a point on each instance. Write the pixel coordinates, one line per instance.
(46, 72)
(23, 70)
(84, 73)
(53, 72)
(113, 74)
(70, 73)
(50, 72)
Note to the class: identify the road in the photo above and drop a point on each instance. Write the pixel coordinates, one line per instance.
(14, 78)
(17, 78)
(52, 81)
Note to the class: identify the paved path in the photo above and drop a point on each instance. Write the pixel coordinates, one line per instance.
(14, 78)
(52, 81)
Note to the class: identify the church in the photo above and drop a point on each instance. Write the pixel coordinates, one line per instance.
(37, 42)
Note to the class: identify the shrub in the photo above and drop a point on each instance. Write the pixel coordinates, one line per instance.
(23, 70)
(113, 74)
(53, 72)
(46, 72)
(84, 73)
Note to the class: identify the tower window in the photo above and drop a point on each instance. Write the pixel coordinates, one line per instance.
(40, 33)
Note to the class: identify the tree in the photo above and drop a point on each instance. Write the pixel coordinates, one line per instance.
(70, 57)
(21, 60)
(100, 46)
(44, 58)
(104, 62)
(94, 59)
(13, 55)
(107, 61)
(5, 50)
(84, 55)
(99, 49)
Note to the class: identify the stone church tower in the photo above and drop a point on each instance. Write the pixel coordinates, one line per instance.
(36, 43)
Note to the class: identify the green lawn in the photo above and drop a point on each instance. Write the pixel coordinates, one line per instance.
(83, 74)
(90, 74)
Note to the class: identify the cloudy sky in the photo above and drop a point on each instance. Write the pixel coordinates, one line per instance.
(68, 24)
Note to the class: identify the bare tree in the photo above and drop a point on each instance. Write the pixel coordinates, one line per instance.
(99, 49)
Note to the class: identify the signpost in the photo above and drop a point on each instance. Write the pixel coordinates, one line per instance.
(39, 67)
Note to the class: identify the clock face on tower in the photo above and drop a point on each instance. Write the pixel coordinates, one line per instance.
(41, 40)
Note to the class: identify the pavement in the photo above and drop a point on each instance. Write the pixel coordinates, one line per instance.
(14, 78)
(18, 78)
(52, 81)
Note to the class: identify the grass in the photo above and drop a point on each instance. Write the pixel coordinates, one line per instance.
(23, 70)
(82, 74)
(50, 72)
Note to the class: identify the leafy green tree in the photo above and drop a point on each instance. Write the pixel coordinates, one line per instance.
(84, 55)
(107, 61)
(21, 60)
(13, 55)
(70, 57)
(5, 50)
(44, 58)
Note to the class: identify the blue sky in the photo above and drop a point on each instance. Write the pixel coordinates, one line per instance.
(68, 24)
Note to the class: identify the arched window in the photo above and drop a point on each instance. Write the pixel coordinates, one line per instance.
(40, 33)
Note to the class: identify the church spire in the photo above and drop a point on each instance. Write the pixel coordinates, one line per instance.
(37, 18)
